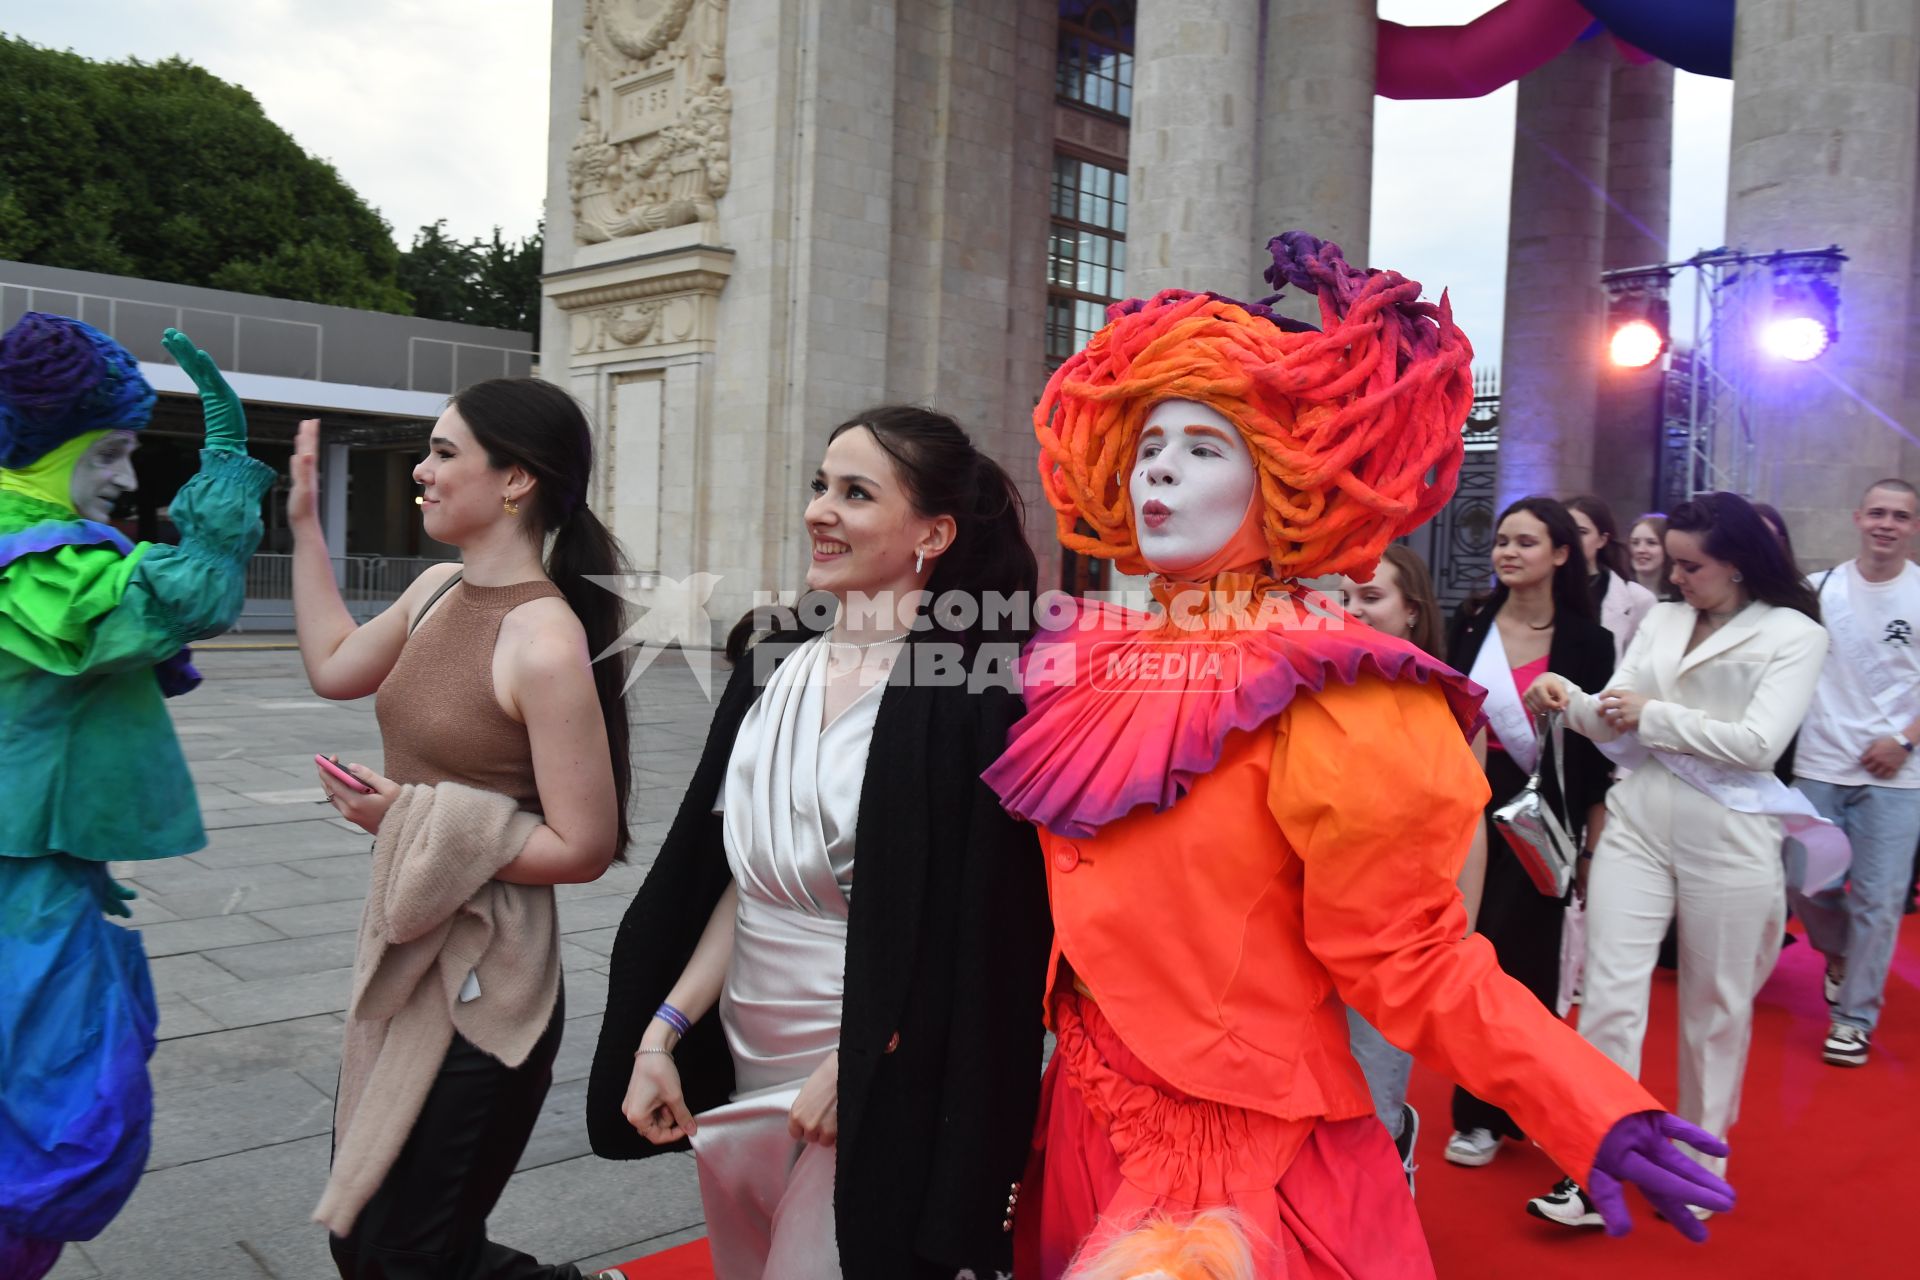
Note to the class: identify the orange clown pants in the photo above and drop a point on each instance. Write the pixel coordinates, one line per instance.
(1115, 1143)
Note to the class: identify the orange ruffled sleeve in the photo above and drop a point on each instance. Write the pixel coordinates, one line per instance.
(1377, 791)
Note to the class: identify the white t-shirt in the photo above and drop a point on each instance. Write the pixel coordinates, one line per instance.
(1844, 718)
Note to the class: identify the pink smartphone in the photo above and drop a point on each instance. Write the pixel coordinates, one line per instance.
(334, 768)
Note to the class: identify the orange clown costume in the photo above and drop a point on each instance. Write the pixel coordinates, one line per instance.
(1238, 848)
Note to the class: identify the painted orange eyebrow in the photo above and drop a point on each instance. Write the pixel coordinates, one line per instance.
(1192, 429)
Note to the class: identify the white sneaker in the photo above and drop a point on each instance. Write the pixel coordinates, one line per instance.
(1472, 1147)
(1835, 975)
(1846, 1046)
(1567, 1205)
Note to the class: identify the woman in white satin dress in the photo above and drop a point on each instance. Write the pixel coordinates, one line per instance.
(954, 962)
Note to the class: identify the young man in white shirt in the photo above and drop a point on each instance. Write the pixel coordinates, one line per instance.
(1856, 763)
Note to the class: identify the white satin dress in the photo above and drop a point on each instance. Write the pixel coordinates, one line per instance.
(789, 809)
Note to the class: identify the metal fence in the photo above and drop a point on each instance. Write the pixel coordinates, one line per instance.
(368, 584)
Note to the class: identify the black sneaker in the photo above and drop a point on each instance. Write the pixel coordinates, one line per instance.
(1567, 1205)
(1409, 1130)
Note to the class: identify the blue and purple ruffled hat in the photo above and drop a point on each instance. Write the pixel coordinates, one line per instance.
(61, 378)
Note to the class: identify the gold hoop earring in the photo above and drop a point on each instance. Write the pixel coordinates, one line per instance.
(512, 507)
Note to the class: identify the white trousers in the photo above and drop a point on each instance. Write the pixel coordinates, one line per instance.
(1669, 853)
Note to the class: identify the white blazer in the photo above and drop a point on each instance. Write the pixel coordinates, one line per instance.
(1625, 604)
(1737, 698)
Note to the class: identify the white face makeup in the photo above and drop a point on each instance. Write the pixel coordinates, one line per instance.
(104, 472)
(1193, 478)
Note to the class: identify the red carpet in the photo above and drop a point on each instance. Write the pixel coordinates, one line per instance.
(1825, 1160)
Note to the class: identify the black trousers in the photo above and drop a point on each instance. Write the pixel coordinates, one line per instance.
(1523, 925)
(428, 1220)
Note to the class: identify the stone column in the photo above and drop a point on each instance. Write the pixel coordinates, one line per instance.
(1639, 201)
(1191, 159)
(1316, 130)
(1549, 369)
(969, 223)
(1825, 111)
(804, 321)
(640, 144)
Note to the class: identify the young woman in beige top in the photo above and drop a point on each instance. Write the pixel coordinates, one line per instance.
(485, 677)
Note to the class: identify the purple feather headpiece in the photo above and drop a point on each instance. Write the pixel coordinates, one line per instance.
(61, 378)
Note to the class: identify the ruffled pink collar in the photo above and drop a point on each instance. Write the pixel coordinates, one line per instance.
(1126, 708)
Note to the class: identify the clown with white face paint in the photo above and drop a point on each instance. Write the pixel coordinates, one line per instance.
(1278, 796)
(91, 634)
(1192, 488)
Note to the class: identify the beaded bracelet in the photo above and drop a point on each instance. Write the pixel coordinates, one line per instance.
(673, 1018)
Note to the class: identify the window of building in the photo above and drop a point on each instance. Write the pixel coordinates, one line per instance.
(1093, 66)
(1086, 252)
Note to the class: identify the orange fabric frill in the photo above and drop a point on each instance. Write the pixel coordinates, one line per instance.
(1116, 1144)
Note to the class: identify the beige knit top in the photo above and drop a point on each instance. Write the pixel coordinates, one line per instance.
(440, 720)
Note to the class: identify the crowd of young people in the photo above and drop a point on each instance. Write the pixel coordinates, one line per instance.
(1306, 814)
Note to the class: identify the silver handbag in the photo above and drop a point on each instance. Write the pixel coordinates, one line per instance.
(1532, 829)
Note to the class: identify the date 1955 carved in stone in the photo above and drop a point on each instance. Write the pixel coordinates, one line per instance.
(653, 145)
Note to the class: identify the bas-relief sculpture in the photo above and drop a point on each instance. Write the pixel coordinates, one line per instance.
(655, 114)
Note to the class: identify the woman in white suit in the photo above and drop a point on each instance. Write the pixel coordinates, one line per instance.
(1708, 696)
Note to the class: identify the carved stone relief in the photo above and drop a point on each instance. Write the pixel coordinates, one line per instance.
(653, 146)
(665, 311)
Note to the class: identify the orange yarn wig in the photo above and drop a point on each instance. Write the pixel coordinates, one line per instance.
(1207, 1246)
(1355, 427)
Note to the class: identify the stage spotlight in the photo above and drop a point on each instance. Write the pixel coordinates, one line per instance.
(1796, 338)
(1635, 345)
(1803, 319)
(1636, 316)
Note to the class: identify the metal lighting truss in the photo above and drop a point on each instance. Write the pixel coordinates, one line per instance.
(1706, 405)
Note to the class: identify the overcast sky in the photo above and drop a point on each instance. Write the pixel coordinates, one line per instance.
(438, 109)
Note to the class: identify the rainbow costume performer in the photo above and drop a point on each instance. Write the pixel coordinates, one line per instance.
(1254, 810)
(93, 630)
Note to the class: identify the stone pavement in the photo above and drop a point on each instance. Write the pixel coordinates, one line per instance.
(251, 941)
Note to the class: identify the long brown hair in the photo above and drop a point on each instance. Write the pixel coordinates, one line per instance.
(1613, 554)
(1411, 575)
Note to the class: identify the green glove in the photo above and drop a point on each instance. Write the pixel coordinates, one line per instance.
(226, 421)
(113, 896)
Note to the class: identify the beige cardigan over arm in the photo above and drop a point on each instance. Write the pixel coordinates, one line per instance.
(434, 915)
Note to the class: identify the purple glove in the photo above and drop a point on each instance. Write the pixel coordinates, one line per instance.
(1639, 1149)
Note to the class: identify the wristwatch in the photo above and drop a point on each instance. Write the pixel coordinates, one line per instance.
(1906, 743)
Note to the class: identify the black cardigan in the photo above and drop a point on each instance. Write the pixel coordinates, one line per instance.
(947, 943)
(1582, 651)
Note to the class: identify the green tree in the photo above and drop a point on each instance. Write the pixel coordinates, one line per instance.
(167, 172)
(490, 282)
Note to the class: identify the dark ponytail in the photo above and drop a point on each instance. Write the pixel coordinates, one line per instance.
(944, 474)
(535, 425)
